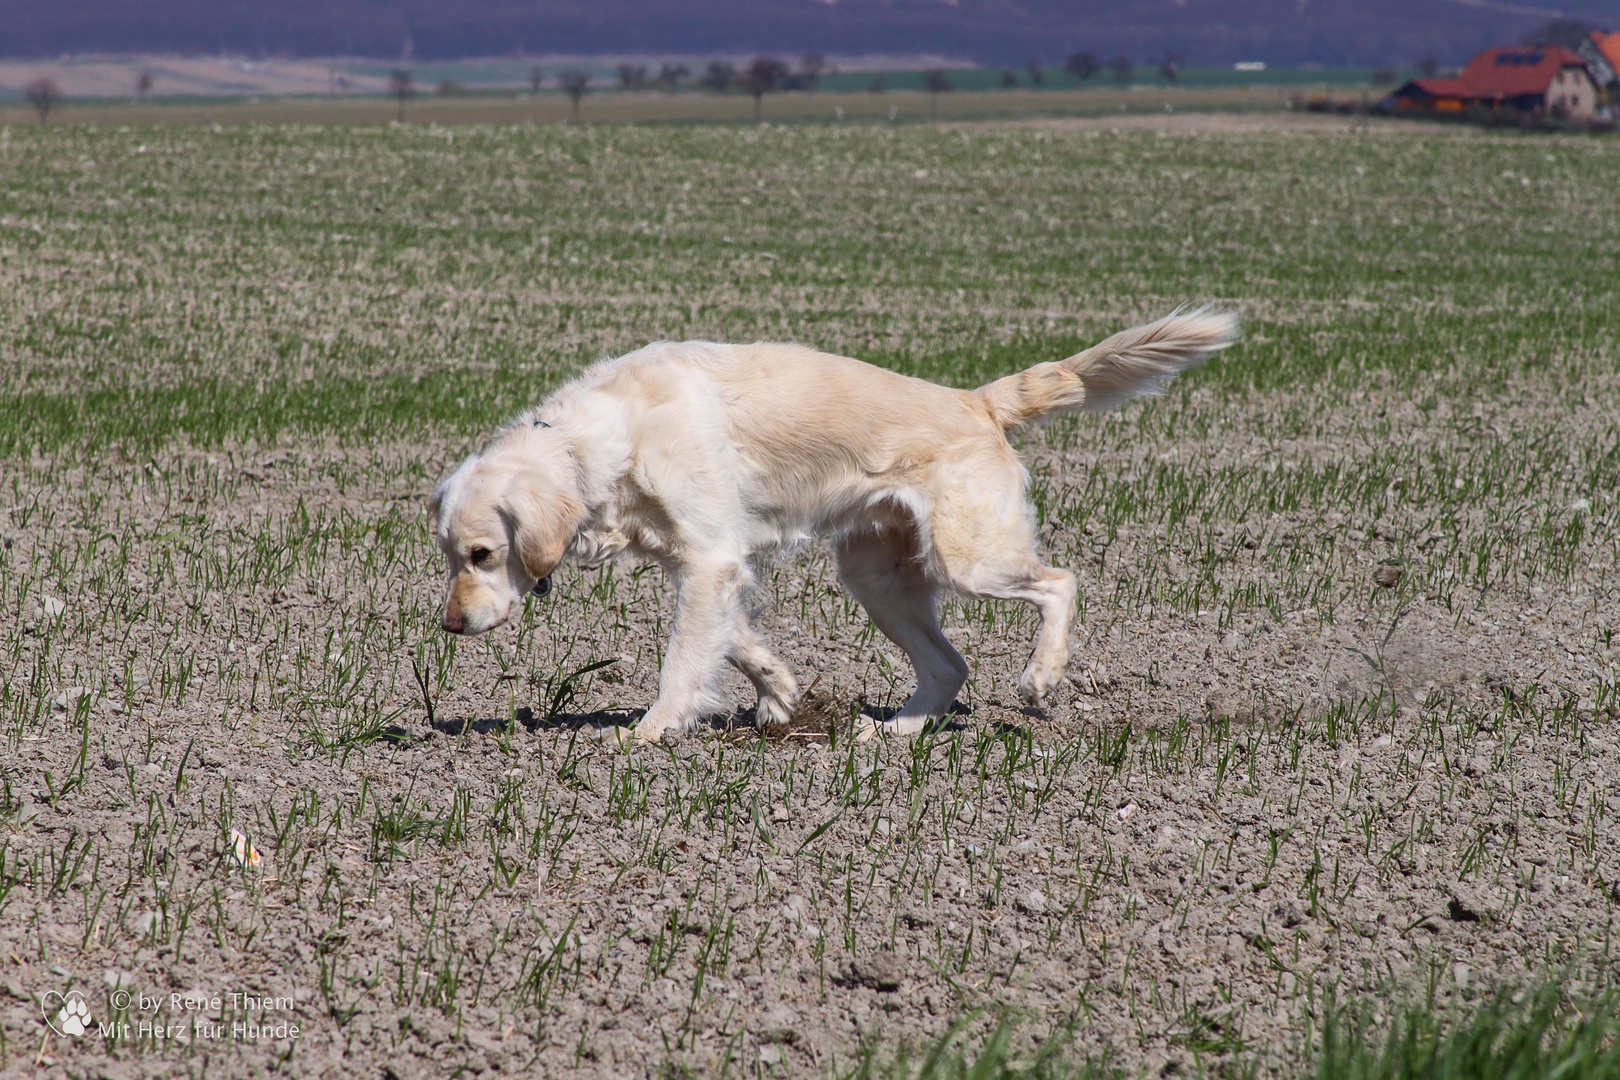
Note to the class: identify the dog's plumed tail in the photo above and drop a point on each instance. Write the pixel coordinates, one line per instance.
(1130, 364)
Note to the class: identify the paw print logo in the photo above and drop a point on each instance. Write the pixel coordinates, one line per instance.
(75, 1015)
(73, 1018)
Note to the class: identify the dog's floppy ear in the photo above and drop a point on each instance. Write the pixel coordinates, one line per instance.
(543, 523)
(435, 503)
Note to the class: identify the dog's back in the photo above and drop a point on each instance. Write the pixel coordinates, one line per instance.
(797, 413)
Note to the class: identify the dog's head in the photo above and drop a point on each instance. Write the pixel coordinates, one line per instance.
(504, 520)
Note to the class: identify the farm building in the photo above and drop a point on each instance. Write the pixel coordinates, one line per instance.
(1602, 55)
(1545, 80)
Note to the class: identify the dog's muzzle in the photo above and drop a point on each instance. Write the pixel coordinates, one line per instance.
(544, 587)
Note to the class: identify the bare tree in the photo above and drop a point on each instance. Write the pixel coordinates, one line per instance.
(719, 75)
(401, 88)
(761, 77)
(1035, 72)
(1121, 67)
(1569, 33)
(631, 76)
(1428, 65)
(936, 82)
(43, 95)
(1170, 67)
(1082, 65)
(672, 74)
(574, 84)
(1008, 79)
(537, 77)
(143, 83)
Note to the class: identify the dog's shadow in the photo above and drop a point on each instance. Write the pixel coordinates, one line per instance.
(525, 717)
(815, 719)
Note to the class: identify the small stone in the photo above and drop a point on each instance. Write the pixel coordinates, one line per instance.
(1579, 505)
(1386, 577)
(116, 979)
(1032, 902)
(53, 607)
(770, 1054)
(1462, 974)
(797, 909)
(1126, 812)
(883, 971)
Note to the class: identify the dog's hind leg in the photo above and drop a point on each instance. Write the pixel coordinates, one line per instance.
(1052, 592)
(778, 692)
(983, 535)
(883, 572)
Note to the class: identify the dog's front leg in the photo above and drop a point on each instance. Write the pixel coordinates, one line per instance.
(708, 613)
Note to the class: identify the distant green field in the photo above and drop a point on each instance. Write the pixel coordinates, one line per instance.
(241, 284)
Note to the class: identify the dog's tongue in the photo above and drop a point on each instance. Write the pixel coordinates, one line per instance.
(544, 587)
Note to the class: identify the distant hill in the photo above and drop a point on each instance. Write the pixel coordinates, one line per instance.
(1330, 32)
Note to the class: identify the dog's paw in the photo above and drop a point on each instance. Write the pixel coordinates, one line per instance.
(772, 712)
(1035, 684)
(621, 737)
(646, 733)
(867, 729)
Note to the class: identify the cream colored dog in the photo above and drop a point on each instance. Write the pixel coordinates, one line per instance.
(698, 456)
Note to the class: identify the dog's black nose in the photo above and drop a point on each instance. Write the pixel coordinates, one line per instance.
(544, 586)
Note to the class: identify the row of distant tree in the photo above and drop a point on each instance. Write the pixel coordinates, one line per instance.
(766, 74)
(44, 95)
(760, 76)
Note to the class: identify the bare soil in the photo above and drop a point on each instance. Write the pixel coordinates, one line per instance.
(1221, 815)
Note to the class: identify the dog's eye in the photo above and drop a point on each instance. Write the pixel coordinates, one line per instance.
(478, 555)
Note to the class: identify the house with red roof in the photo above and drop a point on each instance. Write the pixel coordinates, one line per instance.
(1544, 80)
(1605, 50)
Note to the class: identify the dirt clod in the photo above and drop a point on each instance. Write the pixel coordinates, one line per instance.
(881, 971)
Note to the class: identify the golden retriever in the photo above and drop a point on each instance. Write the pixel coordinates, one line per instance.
(698, 456)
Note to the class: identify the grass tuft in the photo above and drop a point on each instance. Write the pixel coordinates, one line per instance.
(1533, 1034)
